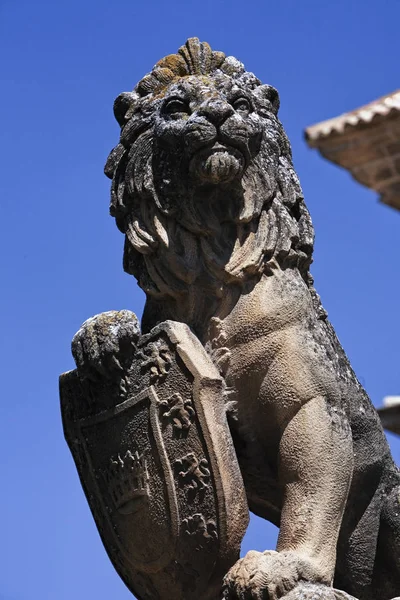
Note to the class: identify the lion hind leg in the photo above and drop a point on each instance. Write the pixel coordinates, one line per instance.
(386, 580)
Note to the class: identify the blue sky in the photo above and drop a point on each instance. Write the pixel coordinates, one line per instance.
(62, 65)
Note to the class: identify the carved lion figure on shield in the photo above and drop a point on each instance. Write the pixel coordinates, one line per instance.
(219, 237)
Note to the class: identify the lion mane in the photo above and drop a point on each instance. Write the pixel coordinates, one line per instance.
(172, 241)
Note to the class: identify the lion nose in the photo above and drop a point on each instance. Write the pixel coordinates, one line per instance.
(216, 111)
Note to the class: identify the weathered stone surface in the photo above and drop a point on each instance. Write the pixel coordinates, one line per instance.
(219, 237)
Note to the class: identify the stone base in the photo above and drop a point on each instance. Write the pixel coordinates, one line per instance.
(311, 591)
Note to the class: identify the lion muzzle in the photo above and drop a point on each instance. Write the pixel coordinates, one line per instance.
(217, 165)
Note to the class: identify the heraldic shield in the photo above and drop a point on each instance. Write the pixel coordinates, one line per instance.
(144, 418)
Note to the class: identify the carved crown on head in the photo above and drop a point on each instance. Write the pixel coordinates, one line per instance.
(194, 58)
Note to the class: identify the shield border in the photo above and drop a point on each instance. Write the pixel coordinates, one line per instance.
(233, 516)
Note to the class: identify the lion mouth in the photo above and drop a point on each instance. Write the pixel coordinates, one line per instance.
(217, 164)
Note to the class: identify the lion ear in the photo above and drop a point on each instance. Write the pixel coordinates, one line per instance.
(124, 105)
(267, 92)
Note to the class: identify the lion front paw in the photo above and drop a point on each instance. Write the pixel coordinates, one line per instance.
(266, 576)
(104, 344)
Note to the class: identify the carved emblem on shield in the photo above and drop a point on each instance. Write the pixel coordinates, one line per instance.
(168, 503)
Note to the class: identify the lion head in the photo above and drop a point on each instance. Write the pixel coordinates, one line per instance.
(203, 184)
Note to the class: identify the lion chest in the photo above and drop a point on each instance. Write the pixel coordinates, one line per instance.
(257, 326)
(271, 364)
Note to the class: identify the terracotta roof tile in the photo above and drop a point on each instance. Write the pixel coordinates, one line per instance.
(383, 107)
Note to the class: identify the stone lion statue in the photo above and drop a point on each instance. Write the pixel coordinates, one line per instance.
(219, 237)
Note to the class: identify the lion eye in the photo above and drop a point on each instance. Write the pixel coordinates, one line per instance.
(176, 107)
(241, 105)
